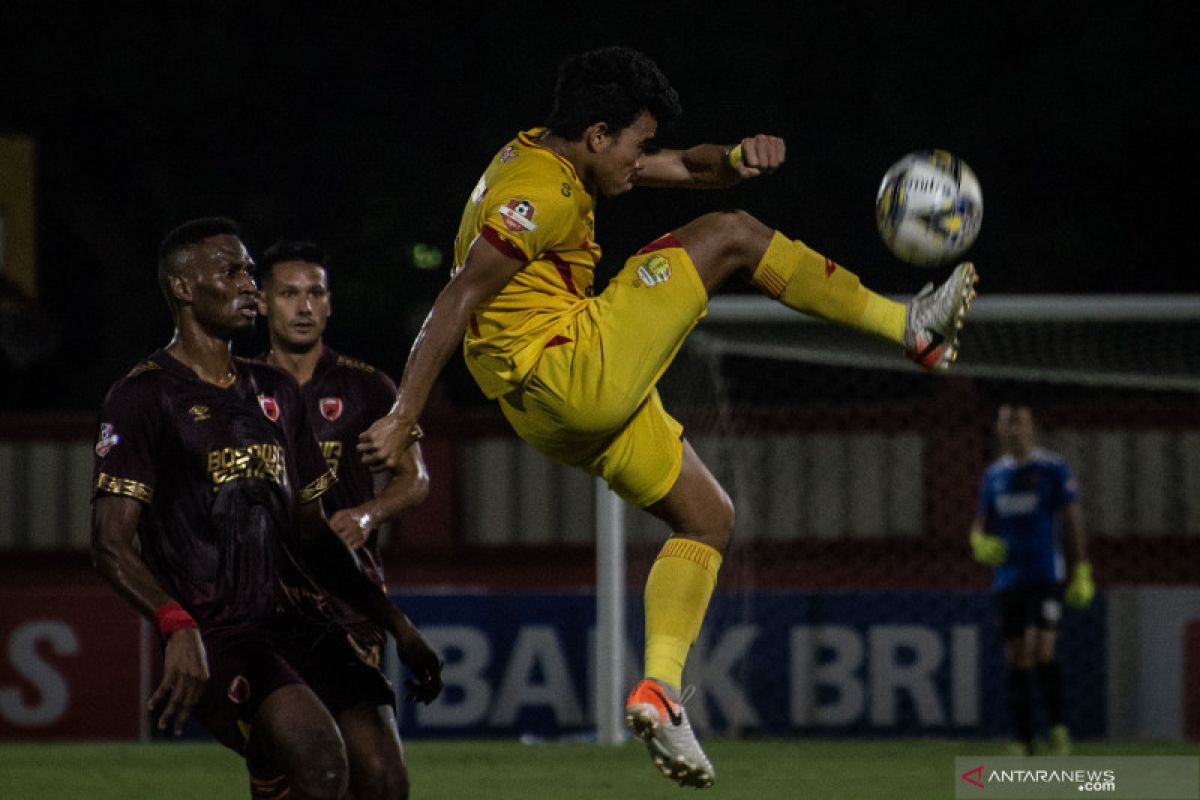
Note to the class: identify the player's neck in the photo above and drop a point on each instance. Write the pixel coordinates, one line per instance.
(210, 357)
(1021, 454)
(574, 152)
(300, 363)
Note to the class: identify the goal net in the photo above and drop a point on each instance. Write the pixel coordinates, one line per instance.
(849, 603)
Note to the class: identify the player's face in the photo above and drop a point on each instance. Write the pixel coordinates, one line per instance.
(1014, 429)
(295, 300)
(619, 158)
(223, 291)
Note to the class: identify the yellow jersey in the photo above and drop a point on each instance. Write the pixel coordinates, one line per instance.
(530, 205)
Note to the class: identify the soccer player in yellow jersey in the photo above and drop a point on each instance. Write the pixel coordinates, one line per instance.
(575, 372)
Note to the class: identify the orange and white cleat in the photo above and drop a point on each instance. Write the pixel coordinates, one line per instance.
(655, 714)
(935, 316)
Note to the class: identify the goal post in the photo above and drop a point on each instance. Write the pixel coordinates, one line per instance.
(852, 469)
(609, 653)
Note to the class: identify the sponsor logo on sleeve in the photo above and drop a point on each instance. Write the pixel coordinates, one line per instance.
(331, 407)
(518, 215)
(655, 269)
(481, 189)
(508, 154)
(107, 440)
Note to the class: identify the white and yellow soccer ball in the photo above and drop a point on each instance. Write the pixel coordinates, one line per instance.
(929, 208)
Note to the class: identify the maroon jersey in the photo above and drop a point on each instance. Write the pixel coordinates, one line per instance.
(343, 397)
(220, 472)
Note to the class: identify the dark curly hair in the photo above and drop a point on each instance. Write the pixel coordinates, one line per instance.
(611, 85)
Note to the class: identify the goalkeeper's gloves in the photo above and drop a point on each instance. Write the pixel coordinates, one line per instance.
(1081, 589)
(988, 549)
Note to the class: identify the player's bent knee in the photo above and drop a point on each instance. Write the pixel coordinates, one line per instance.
(717, 530)
(380, 779)
(322, 773)
(723, 242)
(738, 231)
(726, 519)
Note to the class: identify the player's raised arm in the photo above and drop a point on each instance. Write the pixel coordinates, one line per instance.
(116, 558)
(712, 166)
(484, 272)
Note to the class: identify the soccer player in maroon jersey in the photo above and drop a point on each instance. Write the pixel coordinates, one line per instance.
(206, 520)
(342, 395)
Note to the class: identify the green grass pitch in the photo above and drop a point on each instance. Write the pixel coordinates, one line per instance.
(762, 769)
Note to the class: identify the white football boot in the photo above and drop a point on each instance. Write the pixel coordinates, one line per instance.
(935, 316)
(656, 715)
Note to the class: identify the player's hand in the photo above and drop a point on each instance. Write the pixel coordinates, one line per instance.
(758, 155)
(424, 663)
(1082, 588)
(382, 445)
(353, 525)
(185, 672)
(988, 549)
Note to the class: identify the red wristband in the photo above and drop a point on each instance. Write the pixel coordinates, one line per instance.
(172, 617)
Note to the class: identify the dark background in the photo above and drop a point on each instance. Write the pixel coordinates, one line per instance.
(364, 127)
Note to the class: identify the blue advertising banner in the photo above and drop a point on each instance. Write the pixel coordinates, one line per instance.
(827, 664)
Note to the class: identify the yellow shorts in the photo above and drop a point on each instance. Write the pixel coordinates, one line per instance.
(590, 402)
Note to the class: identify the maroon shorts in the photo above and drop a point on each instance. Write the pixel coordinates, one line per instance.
(246, 666)
(367, 638)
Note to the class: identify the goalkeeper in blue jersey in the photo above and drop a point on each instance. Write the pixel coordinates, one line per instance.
(1026, 502)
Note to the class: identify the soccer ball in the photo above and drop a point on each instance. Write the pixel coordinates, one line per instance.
(929, 208)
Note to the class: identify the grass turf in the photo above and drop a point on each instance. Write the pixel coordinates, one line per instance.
(499, 770)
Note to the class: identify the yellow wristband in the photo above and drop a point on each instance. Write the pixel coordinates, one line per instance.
(734, 156)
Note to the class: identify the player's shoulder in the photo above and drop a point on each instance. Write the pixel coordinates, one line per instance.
(140, 381)
(1000, 465)
(526, 164)
(267, 378)
(360, 372)
(1048, 458)
(259, 366)
(354, 365)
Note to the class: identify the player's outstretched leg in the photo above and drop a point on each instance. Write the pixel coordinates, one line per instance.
(654, 712)
(927, 327)
(791, 272)
(935, 316)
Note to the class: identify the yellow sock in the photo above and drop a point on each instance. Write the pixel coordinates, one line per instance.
(677, 593)
(807, 281)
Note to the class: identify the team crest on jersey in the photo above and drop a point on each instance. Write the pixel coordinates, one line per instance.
(269, 407)
(331, 407)
(199, 413)
(107, 440)
(655, 269)
(518, 215)
(508, 154)
(239, 689)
